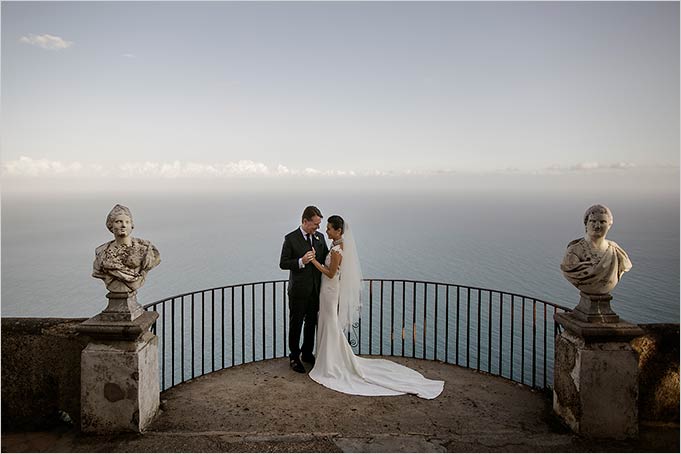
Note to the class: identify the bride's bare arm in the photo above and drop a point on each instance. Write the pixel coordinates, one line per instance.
(330, 272)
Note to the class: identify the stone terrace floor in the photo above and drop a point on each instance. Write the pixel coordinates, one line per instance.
(266, 407)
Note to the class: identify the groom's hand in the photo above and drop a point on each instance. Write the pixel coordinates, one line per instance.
(307, 258)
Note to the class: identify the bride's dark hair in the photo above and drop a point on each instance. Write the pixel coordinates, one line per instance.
(337, 222)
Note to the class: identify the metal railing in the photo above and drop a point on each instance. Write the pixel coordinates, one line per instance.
(500, 333)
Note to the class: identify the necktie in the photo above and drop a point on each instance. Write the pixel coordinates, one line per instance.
(309, 240)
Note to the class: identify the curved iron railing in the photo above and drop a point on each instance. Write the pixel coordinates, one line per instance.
(496, 332)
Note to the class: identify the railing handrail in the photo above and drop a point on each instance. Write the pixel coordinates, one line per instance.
(411, 281)
(278, 281)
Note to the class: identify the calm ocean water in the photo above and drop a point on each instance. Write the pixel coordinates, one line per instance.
(503, 242)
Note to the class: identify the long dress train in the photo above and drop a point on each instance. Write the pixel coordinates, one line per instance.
(338, 368)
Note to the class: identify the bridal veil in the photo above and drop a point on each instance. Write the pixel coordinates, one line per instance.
(350, 298)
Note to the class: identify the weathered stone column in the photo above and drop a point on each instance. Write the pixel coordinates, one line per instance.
(119, 368)
(595, 377)
(595, 384)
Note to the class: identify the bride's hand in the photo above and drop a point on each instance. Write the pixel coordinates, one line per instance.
(307, 258)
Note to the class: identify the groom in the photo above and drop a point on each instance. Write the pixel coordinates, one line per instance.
(300, 247)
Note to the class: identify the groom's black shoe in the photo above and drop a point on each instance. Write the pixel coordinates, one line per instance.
(296, 365)
(309, 359)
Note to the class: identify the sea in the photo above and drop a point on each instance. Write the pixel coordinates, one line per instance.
(512, 242)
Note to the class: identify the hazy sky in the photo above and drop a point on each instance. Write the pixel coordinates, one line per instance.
(218, 89)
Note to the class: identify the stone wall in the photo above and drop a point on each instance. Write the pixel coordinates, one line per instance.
(40, 372)
(658, 363)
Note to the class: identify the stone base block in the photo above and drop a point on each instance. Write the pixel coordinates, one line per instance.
(103, 331)
(622, 331)
(596, 387)
(119, 385)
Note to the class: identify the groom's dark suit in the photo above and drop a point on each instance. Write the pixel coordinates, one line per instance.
(303, 288)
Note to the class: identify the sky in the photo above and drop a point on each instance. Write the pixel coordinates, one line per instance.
(234, 91)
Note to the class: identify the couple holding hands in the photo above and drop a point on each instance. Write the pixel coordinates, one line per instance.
(324, 293)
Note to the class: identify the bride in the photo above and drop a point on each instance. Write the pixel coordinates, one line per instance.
(337, 367)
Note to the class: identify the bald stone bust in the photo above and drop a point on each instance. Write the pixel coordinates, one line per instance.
(124, 262)
(593, 264)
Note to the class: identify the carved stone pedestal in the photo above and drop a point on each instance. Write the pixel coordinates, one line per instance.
(595, 389)
(595, 309)
(119, 368)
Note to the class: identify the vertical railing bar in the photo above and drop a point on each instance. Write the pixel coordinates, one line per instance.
(371, 315)
(263, 321)
(555, 328)
(172, 342)
(534, 341)
(274, 319)
(163, 353)
(222, 333)
(478, 327)
(203, 334)
(522, 343)
(544, 304)
(243, 324)
(447, 324)
(252, 322)
(380, 339)
(404, 295)
(212, 329)
(232, 321)
(512, 320)
(359, 329)
(413, 322)
(489, 333)
(283, 312)
(501, 332)
(435, 327)
(425, 311)
(458, 297)
(468, 326)
(392, 317)
(193, 335)
(182, 337)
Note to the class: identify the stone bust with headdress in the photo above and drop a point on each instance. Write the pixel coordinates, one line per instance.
(124, 262)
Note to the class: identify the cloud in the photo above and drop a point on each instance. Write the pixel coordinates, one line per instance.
(49, 42)
(622, 165)
(40, 168)
(129, 55)
(242, 168)
(283, 170)
(29, 167)
(588, 166)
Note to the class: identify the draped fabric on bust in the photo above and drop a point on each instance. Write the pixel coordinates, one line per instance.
(583, 269)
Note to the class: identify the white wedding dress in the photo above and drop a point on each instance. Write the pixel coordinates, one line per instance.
(338, 368)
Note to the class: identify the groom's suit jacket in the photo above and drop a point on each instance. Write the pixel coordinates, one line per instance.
(302, 281)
